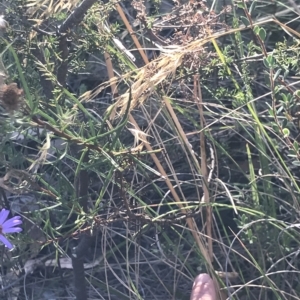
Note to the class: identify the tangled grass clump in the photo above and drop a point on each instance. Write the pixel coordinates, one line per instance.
(140, 154)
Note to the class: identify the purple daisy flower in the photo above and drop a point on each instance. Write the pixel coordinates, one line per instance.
(8, 226)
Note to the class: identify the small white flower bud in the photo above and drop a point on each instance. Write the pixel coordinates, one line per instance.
(3, 25)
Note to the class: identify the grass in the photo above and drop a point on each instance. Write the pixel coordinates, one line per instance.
(190, 166)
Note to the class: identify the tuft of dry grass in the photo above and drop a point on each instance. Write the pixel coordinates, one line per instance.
(46, 8)
(145, 80)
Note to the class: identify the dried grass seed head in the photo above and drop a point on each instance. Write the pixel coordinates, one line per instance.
(11, 96)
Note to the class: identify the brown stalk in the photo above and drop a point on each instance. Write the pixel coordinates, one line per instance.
(110, 71)
(132, 33)
(207, 254)
(198, 100)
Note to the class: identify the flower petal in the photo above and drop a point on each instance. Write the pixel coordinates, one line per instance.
(12, 222)
(11, 230)
(3, 215)
(6, 242)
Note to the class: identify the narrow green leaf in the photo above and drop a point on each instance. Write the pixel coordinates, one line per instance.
(252, 7)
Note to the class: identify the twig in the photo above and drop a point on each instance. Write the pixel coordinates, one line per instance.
(82, 183)
(76, 16)
(78, 267)
(62, 70)
(65, 135)
(81, 187)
